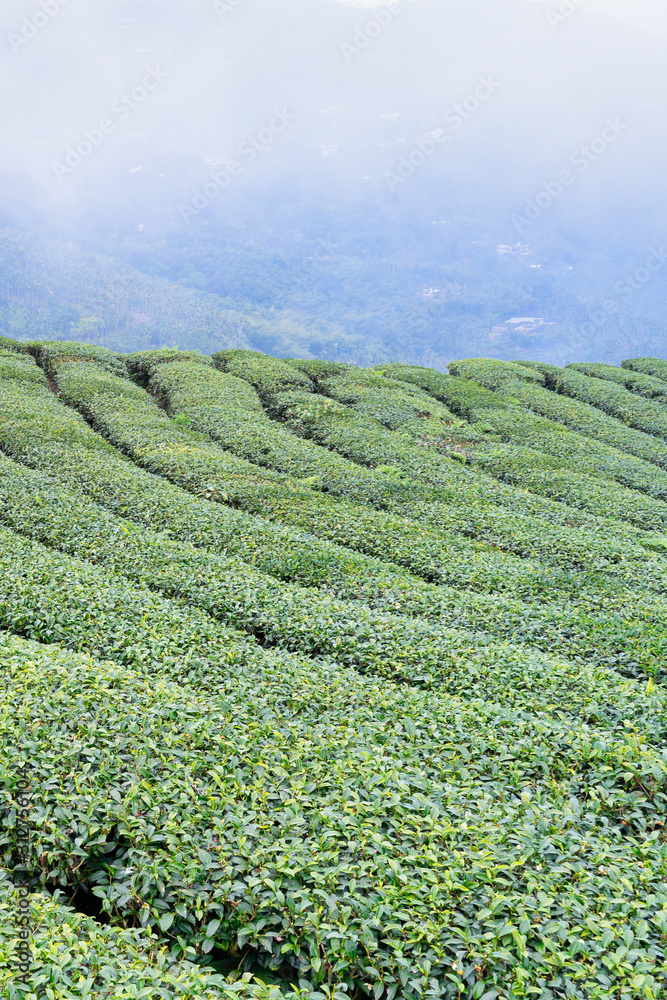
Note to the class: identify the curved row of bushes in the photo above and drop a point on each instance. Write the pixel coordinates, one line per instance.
(267, 375)
(137, 426)
(39, 431)
(643, 385)
(647, 366)
(526, 524)
(395, 404)
(228, 409)
(389, 639)
(352, 429)
(390, 810)
(582, 418)
(73, 956)
(231, 591)
(521, 447)
(646, 415)
(378, 534)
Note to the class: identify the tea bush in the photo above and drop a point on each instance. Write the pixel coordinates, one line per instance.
(497, 419)
(330, 822)
(648, 366)
(644, 414)
(404, 742)
(52, 354)
(267, 375)
(72, 955)
(643, 385)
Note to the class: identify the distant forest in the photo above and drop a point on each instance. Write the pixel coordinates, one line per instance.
(424, 294)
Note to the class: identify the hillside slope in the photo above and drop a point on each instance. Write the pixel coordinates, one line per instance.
(349, 679)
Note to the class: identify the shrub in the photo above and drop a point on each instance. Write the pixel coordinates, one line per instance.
(142, 364)
(399, 814)
(648, 366)
(395, 404)
(643, 414)
(13, 346)
(53, 354)
(492, 374)
(73, 954)
(643, 385)
(268, 375)
(21, 367)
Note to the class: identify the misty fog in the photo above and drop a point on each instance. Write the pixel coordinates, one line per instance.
(381, 181)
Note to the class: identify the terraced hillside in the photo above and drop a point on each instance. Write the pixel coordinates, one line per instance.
(331, 681)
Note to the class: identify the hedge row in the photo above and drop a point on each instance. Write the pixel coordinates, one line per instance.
(590, 422)
(51, 354)
(267, 375)
(231, 591)
(547, 531)
(644, 414)
(228, 409)
(394, 403)
(14, 346)
(586, 620)
(120, 410)
(383, 640)
(142, 364)
(74, 957)
(407, 841)
(133, 421)
(316, 369)
(21, 367)
(493, 374)
(364, 439)
(44, 434)
(517, 501)
(140, 429)
(473, 402)
(544, 456)
(643, 385)
(648, 366)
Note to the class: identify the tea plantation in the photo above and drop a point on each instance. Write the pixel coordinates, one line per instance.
(330, 682)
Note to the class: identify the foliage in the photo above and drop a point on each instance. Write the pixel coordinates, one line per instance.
(643, 385)
(657, 367)
(491, 373)
(646, 415)
(350, 680)
(142, 364)
(268, 375)
(15, 346)
(51, 356)
(73, 955)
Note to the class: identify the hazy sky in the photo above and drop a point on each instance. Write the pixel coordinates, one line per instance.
(211, 76)
(651, 15)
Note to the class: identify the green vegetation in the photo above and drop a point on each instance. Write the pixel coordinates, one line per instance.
(331, 682)
(648, 366)
(643, 385)
(644, 414)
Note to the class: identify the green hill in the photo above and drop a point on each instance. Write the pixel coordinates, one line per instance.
(332, 681)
